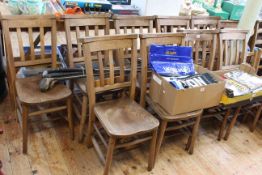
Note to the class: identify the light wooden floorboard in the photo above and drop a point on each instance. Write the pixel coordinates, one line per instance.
(52, 152)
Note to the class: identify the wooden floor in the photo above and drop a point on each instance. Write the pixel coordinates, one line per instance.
(51, 152)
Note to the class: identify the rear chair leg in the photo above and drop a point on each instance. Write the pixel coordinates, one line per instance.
(194, 135)
(258, 114)
(161, 135)
(25, 109)
(70, 117)
(151, 160)
(83, 118)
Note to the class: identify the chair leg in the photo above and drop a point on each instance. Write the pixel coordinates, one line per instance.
(161, 135)
(258, 114)
(151, 160)
(25, 109)
(70, 117)
(109, 155)
(223, 125)
(90, 128)
(194, 135)
(232, 123)
(83, 118)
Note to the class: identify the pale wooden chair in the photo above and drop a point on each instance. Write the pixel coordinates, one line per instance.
(92, 25)
(232, 48)
(204, 45)
(188, 119)
(166, 24)
(257, 116)
(121, 118)
(205, 22)
(26, 91)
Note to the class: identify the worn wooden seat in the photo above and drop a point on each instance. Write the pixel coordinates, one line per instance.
(28, 91)
(124, 117)
(125, 123)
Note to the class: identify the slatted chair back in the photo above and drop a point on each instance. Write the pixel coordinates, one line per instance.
(204, 45)
(166, 24)
(146, 40)
(22, 33)
(131, 24)
(205, 22)
(77, 26)
(232, 48)
(102, 73)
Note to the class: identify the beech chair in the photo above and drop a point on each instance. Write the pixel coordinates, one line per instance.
(205, 22)
(166, 24)
(90, 25)
(232, 48)
(121, 118)
(177, 121)
(204, 45)
(25, 91)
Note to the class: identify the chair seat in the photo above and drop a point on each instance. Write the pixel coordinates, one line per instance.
(28, 91)
(124, 117)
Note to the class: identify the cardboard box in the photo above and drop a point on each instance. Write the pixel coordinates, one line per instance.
(181, 101)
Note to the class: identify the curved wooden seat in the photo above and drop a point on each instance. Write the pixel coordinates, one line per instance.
(28, 91)
(124, 117)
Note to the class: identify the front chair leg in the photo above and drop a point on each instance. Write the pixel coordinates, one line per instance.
(258, 114)
(194, 135)
(160, 136)
(70, 117)
(90, 128)
(109, 155)
(151, 160)
(83, 118)
(25, 109)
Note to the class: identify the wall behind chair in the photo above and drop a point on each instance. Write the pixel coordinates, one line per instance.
(158, 7)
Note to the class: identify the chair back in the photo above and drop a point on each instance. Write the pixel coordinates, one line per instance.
(81, 26)
(232, 48)
(102, 72)
(26, 43)
(203, 43)
(146, 40)
(166, 24)
(205, 22)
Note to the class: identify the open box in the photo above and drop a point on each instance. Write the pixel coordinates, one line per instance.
(186, 100)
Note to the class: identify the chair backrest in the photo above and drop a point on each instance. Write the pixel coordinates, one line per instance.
(82, 25)
(130, 24)
(102, 73)
(146, 40)
(205, 22)
(166, 24)
(255, 40)
(203, 43)
(232, 47)
(28, 52)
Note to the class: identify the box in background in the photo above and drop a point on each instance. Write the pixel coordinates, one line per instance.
(181, 101)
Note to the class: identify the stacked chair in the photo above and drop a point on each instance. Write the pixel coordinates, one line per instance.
(120, 120)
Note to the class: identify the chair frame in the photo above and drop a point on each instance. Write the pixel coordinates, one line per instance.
(165, 38)
(110, 43)
(30, 22)
(205, 22)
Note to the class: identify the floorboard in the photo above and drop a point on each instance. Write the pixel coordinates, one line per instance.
(52, 152)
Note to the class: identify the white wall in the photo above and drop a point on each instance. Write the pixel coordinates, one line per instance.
(158, 7)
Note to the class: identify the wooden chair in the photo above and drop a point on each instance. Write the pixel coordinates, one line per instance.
(204, 46)
(166, 24)
(26, 90)
(232, 48)
(121, 118)
(93, 25)
(257, 116)
(205, 22)
(188, 119)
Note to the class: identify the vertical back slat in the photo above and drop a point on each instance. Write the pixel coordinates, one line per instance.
(133, 69)
(196, 52)
(54, 43)
(125, 30)
(87, 30)
(101, 69)
(121, 61)
(237, 51)
(141, 29)
(79, 46)
(226, 52)
(42, 42)
(232, 58)
(133, 29)
(96, 30)
(165, 29)
(204, 53)
(20, 44)
(31, 42)
(111, 67)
